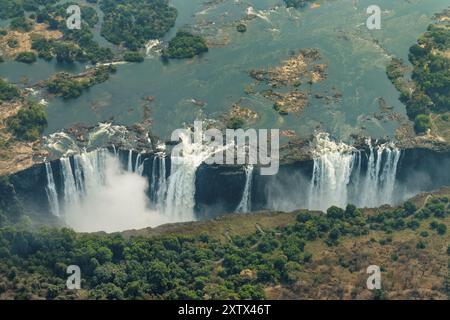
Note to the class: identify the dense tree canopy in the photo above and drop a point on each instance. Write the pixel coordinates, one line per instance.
(430, 91)
(134, 22)
(185, 45)
(8, 91)
(29, 123)
(191, 267)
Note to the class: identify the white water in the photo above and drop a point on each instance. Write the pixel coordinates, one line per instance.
(71, 195)
(245, 204)
(52, 194)
(180, 197)
(130, 161)
(378, 185)
(100, 195)
(336, 163)
(160, 180)
(333, 164)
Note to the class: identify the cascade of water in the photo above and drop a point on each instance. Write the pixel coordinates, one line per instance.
(71, 196)
(378, 185)
(154, 179)
(245, 204)
(389, 174)
(333, 165)
(79, 179)
(137, 162)
(337, 176)
(162, 182)
(130, 161)
(180, 197)
(50, 189)
(138, 166)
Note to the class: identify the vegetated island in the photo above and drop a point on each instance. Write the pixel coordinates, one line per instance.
(427, 93)
(184, 45)
(301, 68)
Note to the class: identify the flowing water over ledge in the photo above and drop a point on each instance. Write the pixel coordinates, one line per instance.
(113, 190)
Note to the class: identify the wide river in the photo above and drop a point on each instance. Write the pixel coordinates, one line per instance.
(356, 67)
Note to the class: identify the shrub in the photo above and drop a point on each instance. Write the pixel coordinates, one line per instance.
(29, 123)
(8, 91)
(241, 28)
(21, 24)
(421, 245)
(132, 56)
(441, 229)
(422, 123)
(26, 57)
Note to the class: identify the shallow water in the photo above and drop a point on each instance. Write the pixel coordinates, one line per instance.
(356, 68)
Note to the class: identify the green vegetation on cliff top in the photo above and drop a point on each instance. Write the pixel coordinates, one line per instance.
(286, 255)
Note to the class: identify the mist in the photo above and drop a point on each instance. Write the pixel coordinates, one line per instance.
(118, 203)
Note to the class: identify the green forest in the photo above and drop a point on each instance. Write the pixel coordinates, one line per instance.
(185, 45)
(33, 263)
(429, 91)
(8, 91)
(134, 22)
(29, 123)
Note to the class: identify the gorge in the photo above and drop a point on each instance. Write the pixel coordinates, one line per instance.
(90, 191)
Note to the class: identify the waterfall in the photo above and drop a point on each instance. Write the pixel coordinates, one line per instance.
(245, 204)
(154, 179)
(100, 194)
(333, 165)
(130, 161)
(379, 181)
(180, 197)
(389, 174)
(162, 182)
(137, 163)
(52, 194)
(337, 177)
(158, 183)
(91, 168)
(70, 189)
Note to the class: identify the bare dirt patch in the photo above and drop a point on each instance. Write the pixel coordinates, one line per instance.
(24, 39)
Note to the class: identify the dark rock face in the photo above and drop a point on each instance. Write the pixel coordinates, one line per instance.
(10, 208)
(30, 186)
(424, 168)
(219, 189)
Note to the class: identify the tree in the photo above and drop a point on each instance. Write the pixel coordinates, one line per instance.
(21, 24)
(422, 123)
(8, 91)
(29, 123)
(185, 45)
(131, 56)
(335, 213)
(26, 57)
(441, 229)
(409, 208)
